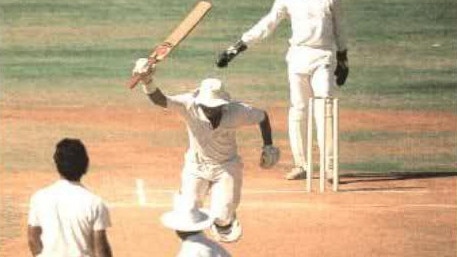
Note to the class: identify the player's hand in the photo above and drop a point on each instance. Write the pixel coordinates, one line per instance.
(270, 156)
(342, 67)
(226, 56)
(145, 71)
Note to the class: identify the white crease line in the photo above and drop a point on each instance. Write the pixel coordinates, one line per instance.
(283, 205)
(384, 191)
(299, 191)
(131, 205)
(296, 205)
(244, 191)
(140, 192)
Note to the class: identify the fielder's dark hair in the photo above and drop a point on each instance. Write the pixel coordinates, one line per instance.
(71, 159)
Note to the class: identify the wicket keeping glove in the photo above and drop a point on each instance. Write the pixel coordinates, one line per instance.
(270, 156)
(145, 71)
(226, 56)
(342, 68)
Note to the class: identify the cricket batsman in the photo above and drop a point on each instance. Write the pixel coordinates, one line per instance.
(316, 59)
(212, 163)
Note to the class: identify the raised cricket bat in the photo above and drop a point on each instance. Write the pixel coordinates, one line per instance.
(179, 33)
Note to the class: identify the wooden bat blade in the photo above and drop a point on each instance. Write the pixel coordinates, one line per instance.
(179, 33)
(189, 23)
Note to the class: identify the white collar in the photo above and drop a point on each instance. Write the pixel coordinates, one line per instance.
(63, 181)
(201, 115)
(196, 237)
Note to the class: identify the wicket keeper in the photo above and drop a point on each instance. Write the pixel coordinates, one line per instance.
(317, 41)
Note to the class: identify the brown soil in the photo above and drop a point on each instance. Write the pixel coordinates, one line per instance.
(370, 216)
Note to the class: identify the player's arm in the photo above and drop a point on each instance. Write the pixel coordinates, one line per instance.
(270, 154)
(102, 247)
(34, 240)
(157, 97)
(265, 129)
(259, 31)
(147, 82)
(101, 222)
(248, 115)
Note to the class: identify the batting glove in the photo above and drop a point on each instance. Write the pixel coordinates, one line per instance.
(342, 68)
(226, 56)
(270, 156)
(145, 71)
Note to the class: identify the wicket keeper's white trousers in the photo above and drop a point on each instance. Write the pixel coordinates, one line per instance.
(310, 73)
(222, 181)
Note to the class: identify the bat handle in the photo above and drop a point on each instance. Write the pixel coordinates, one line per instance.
(133, 81)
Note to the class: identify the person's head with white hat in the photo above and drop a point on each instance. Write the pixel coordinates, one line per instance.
(188, 221)
(211, 97)
(186, 217)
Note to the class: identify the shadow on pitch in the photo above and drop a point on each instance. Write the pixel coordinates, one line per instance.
(390, 189)
(350, 178)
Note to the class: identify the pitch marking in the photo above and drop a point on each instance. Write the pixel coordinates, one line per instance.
(295, 205)
(140, 192)
(303, 191)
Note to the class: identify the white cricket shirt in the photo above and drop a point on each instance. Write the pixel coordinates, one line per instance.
(208, 145)
(67, 213)
(315, 23)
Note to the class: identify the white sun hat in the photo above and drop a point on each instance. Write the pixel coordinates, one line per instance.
(211, 93)
(186, 217)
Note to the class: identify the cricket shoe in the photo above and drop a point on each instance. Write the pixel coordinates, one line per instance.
(227, 234)
(296, 173)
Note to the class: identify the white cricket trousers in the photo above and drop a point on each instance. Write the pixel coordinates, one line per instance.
(222, 182)
(316, 83)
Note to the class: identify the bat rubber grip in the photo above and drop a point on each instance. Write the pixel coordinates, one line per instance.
(133, 81)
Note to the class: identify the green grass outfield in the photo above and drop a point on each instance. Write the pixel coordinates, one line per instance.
(403, 56)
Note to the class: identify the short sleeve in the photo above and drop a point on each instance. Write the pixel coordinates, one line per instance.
(180, 102)
(102, 217)
(33, 218)
(244, 114)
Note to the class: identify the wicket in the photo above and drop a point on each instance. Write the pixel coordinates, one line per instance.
(331, 120)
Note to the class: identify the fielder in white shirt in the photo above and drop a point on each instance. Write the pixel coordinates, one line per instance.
(317, 37)
(189, 222)
(212, 163)
(65, 218)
